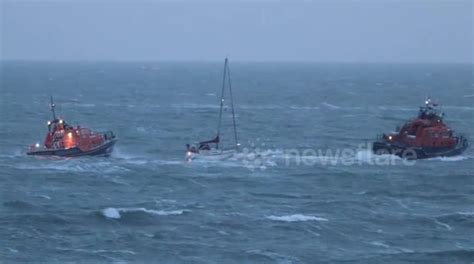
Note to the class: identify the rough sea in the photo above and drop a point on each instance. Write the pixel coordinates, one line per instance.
(304, 188)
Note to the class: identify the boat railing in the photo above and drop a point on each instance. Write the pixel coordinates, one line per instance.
(462, 140)
(109, 135)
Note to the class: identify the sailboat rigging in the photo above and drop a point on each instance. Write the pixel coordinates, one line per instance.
(205, 145)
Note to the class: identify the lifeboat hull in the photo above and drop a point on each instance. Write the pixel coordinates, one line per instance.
(411, 153)
(101, 150)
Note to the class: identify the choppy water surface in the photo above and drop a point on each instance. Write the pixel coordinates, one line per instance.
(264, 205)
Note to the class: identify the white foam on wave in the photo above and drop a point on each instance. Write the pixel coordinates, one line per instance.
(14, 154)
(127, 157)
(379, 244)
(448, 227)
(111, 213)
(369, 157)
(454, 158)
(304, 107)
(12, 250)
(74, 166)
(296, 218)
(142, 130)
(44, 196)
(118, 153)
(249, 158)
(386, 246)
(466, 213)
(330, 105)
(115, 213)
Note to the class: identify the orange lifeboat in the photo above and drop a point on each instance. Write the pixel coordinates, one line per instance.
(68, 141)
(425, 136)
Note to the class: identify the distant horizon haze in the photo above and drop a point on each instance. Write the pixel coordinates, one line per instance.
(273, 31)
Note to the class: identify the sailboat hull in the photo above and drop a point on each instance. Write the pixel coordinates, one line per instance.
(211, 154)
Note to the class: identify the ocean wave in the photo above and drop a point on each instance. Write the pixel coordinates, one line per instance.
(448, 227)
(122, 155)
(457, 107)
(454, 158)
(17, 204)
(12, 250)
(304, 107)
(466, 213)
(414, 109)
(455, 220)
(296, 218)
(250, 159)
(116, 213)
(369, 156)
(462, 215)
(392, 248)
(97, 251)
(14, 154)
(330, 105)
(44, 196)
(85, 105)
(263, 256)
(195, 106)
(126, 157)
(79, 166)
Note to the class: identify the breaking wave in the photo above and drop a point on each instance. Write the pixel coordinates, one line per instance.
(116, 213)
(330, 105)
(296, 218)
(455, 158)
(75, 166)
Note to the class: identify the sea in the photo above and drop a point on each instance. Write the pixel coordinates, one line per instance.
(304, 186)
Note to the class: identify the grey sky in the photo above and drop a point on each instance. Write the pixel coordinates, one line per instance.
(321, 31)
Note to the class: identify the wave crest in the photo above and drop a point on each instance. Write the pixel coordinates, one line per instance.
(116, 213)
(296, 218)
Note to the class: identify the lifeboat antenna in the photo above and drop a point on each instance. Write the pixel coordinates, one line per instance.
(52, 107)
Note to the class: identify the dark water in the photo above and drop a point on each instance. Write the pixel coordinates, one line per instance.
(146, 204)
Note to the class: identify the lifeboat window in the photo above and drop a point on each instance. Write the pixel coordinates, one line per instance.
(85, 132)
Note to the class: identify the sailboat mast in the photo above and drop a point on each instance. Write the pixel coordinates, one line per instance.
(222, 102)
(232, 106)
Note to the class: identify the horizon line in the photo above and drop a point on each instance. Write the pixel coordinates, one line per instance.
(233, 60)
